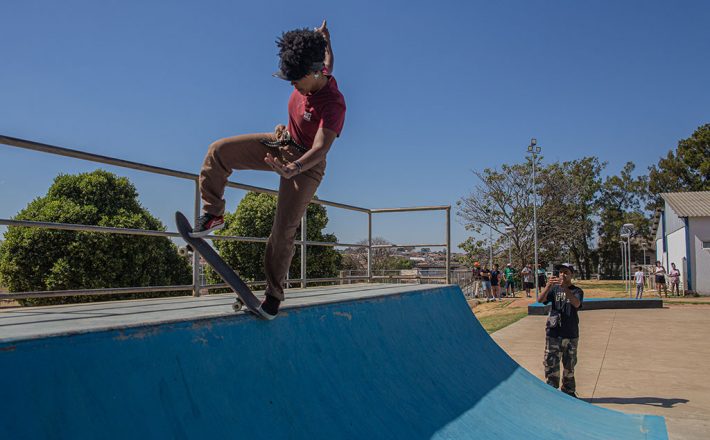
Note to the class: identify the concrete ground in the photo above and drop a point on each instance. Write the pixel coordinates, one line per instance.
(650, 361)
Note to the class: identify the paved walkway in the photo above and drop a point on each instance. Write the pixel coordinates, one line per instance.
(652, 361)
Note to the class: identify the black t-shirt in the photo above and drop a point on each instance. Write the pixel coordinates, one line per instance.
(494, 277)
(568, 313)
(486, 275)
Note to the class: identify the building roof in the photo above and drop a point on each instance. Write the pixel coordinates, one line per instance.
(689, 204)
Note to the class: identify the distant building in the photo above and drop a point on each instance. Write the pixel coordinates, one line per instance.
(683, 237)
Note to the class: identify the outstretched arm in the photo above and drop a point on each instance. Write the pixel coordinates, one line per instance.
(329, 58)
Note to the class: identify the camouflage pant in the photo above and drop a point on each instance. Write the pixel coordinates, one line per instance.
(566, 349)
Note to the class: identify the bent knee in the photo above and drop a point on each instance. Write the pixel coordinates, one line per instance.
(216, 147)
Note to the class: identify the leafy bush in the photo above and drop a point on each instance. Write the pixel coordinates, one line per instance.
(253, 218)
(43, 259)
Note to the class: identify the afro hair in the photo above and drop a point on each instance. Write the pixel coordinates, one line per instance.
(300, 52)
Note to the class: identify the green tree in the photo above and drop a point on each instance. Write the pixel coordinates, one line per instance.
(37, 259)
(569, 191)
(686, 169)
(620, 202)
(503, 202)
(254, 217)
(476, 251)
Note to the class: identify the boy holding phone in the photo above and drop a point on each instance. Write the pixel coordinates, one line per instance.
(562, 327)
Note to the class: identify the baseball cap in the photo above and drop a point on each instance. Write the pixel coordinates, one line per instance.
(564, 266)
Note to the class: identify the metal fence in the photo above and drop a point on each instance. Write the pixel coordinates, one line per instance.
(198, 285)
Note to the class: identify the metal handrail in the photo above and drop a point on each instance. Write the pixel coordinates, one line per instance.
(77, 154)
(197, 287)
(153, 233)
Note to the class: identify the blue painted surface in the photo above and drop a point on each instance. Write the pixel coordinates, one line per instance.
(407, 366)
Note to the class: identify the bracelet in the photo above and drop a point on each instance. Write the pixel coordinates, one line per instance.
(299, 165)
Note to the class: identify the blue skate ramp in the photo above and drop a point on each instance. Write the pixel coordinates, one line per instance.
(365, 362)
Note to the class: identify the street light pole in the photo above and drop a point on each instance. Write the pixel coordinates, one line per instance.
(627, 231)
(623, 261)
(534, 150)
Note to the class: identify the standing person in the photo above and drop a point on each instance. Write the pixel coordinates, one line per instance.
(674, 275)
(640, 280)
(562, 328)
(510, 279)
(541, 277)
(316, 115)
(495, 283)
(476, 278)
(528, 280)
(660, 273)
(486, 282)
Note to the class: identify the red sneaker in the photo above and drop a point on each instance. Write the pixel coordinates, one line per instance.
(207, 224)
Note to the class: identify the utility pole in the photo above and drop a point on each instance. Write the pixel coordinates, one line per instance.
(534, 150)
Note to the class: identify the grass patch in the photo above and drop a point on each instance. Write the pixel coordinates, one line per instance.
(704, 303)
(611, 286)
(495, 322)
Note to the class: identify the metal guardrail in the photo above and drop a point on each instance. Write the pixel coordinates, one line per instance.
(197, 287)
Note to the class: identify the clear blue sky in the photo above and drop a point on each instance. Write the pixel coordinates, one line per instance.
(434, 90)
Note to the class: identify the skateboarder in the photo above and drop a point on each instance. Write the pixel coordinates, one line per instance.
(316, 114)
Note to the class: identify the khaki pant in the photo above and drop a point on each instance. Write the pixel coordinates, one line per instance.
(565, 348)
(247, 153)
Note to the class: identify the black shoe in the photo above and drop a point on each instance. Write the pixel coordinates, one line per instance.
(206, 224)
(269, 308)
(571, 394)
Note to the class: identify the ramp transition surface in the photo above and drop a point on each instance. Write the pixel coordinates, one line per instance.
(413, 363)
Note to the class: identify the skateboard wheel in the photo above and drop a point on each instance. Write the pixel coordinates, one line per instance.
(238, 305)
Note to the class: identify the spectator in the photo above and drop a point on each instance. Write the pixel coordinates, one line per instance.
(476, 278)
(495, 280)
(660, 273)
(541, 277)
(486, 282)
(510, 279)
(528, 280)
(562, 328)
(640, 280)
(674, 275)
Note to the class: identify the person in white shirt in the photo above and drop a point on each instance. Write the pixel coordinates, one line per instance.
(640, 281)
(528, 279)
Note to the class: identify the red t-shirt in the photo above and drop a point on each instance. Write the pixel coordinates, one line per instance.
(306, 114)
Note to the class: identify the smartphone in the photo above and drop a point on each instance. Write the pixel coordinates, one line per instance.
(556, 273)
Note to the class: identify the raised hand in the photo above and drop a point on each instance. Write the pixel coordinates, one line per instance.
(286, 171)
(323, 29)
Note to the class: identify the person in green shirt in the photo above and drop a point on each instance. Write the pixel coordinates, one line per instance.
(509, 272)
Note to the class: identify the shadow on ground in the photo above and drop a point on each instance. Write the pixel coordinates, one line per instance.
(652, 401)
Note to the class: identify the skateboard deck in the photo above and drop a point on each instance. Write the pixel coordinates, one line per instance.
(244, 294)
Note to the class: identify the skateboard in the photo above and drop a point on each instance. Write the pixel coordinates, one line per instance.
(245, 297)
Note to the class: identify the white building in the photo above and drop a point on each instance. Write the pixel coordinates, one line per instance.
(683, 237)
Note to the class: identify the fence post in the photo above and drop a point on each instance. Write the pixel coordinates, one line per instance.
(369, 247)
(196, 284)
(448, 245)
(304, 234)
